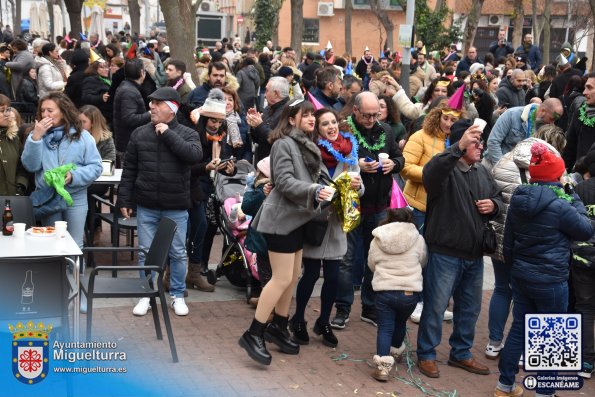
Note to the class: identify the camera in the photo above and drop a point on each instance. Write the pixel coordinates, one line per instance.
(478, 92)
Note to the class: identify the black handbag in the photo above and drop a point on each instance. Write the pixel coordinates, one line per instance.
(46, 201)
(314, 232)
(490, 243)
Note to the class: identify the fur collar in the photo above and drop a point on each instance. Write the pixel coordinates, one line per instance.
(310, 153)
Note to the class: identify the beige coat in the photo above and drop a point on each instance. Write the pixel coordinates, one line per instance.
(397, 255)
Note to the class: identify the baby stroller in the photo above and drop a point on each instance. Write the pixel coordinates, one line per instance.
(237, 264)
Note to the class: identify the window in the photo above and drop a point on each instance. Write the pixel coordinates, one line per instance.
(311, 31)
(361, 2)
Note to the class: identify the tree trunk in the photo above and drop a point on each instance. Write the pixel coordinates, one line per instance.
(519, 16)
(472, 22)
(297, 26)
(547, 11)
(50, 4)
(385, 21)
(592, 5)
(134, 11)
(275, 38)
(439, 5)
(180, 19)
(348, 15)
(16, 12)
(74, 8)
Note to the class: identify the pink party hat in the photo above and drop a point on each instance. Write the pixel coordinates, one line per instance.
(456, 100)
(317, 105)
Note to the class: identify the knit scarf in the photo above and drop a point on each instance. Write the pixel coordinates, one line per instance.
(310, 153)
(53, 137)
(106, 81)
(341, 145)
(177, 83)
(233, 129)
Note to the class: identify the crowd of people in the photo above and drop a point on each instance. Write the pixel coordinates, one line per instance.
(488, 152)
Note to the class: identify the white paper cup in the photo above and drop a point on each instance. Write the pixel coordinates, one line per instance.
(382, 156)
(353, 174)
(61, 227)
(480, 122)
(19, 230)
(331, 190)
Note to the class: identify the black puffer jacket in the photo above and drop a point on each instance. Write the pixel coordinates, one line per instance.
(73, 88)
(583, 254)
(510, 96)
(157, 167)
(92, 94)
(129, 112)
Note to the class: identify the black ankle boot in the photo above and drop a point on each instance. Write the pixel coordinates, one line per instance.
(253, 342)
(328, 337)
(300, 332)
(277, 333)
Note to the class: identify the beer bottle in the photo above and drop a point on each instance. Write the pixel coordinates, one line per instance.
(7, 223)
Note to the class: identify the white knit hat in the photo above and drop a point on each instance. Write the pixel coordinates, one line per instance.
(215, 105)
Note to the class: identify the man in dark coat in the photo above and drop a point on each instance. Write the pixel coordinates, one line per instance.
(581, 126)
(216, 79)
(328, 88)
(462, 195)
(129, 107)
(533, 53)
(156, 180)
(465, 63)
(565, 72)
(277, 95)
(510, 93)
(501, 48)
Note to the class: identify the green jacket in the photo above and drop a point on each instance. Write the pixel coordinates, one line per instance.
(13, 177)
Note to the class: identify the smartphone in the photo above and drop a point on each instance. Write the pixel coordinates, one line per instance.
(227, 160)
(369, 160)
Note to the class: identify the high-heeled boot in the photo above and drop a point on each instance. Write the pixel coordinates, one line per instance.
(277, 333)
(253, 342)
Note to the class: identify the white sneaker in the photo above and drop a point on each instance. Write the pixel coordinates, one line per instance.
(180, 307)
(492, 352)
(142, 307)
(447, 315)
(416, 315)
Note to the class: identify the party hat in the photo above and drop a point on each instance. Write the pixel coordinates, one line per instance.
(423, 51)
(83, 37)
(563, 61)
(366, 49)
(94, 57)
(456, 100)
(317, 105)
(329, 46)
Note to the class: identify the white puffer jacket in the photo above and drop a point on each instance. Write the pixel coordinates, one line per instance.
(507, 174)
(49, 77)
(397, 255)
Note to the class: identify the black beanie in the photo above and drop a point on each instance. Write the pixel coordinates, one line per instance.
(458, 129)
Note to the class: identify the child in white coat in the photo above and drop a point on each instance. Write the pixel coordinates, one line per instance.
(397, 254)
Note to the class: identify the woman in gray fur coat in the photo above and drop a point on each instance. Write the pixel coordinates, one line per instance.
(294, 200)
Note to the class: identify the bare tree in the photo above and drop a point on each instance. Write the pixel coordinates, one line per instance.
(134, 11)
(592, 6)
(348, 15)
(180, 19)
(74, 8)
(277, 4)
(297, 26)
(381, 13)
(547, 16)
(16, 16)
(519, 16)
(472, 22)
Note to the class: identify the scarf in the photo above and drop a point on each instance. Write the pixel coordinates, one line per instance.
(310, 153)
(233, 129)
(368, 62)
(106, 81)
(53, 137)
(339, 150)
(176, 84)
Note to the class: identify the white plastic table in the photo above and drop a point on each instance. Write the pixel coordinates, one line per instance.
(41, 246)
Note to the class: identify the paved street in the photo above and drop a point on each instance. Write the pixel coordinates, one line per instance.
(212, 363)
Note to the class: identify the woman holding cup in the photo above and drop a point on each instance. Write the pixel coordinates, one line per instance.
(295, 200)
(339, 155)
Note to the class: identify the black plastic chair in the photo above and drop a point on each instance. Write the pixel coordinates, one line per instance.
(22, 209)
(116, 222)
(155, 260)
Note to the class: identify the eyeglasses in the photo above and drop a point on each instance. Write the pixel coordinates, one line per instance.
(6, 111)
(368, 116)
(479, 144)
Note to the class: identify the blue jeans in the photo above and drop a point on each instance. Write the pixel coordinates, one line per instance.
(528, 298)
(197, 221)
(419, 219)
(76, 216)
(393, 308)
(463, 279)
(500, 302)
(358, 245)
(148, 221)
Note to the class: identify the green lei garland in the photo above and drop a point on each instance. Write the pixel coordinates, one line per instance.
(362, 140)
(586, 120)
(559, 192)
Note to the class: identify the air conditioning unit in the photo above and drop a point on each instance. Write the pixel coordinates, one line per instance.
(339, 4)
(495, 20)
(208, 6)
(325, 9)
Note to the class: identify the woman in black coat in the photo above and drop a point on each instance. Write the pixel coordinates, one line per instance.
(79, 62)
(95, 89)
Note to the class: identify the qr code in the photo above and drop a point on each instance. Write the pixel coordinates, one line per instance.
(553, 342)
